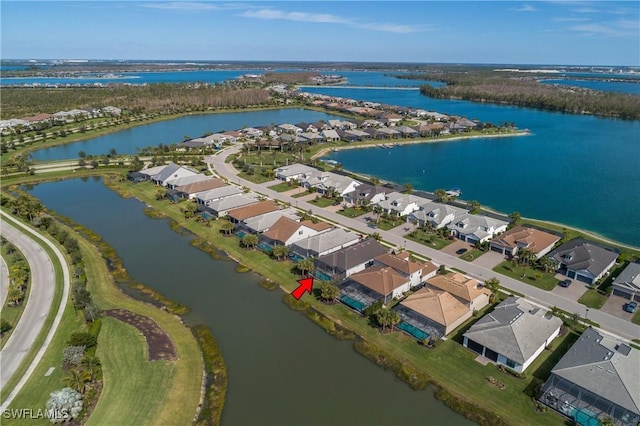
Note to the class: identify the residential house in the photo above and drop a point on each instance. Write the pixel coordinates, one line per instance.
(289, 128)
(366, 195)
(347, 261)
(597, 378)
(286, 231)
(583, 260)
(111, 110)
(627, 284)
(374, 283)
(327, 182)
(293, 171)
(136, 177)
(469, 291)
(252, 133)
(241, 214)
(431, 313)
(347, 136)
(222, 206)
(407, 132)
(325, 243)
(191, 190)
(185, 180)
(330, 135)
(313, 137)
(262, 223)
(476, 228)
(416, 272)
(362, 136)
(521, 237)
(211, 195)
(161, 174)
(513, 334)
(436, 215)
(389, 133)
(398, 204)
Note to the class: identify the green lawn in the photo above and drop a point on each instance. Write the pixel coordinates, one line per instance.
(636, 317)
(255, 177)
(449, 365)
(426, 239)
(592, 299)
(472, 255)
(322, 201)
(527, 275)
(282, 187)
(302, 193)
(351, 212)
(387, 224)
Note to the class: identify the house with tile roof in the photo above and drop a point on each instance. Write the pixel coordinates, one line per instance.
(513, 334)
(325, 243)
(191, 190)
(476, 228)
(398, 204)
(584, 261)
(372, 284)
(598, 377)
(416, 272)
(347, 261)
(221, 206)
(286, 231)
(627, 284)
(242, 213)
(469, 291)
(433, 312)
(436, 215)
(521, 237)
(262, 223)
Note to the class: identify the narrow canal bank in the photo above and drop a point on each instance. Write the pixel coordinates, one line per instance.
(287, 370)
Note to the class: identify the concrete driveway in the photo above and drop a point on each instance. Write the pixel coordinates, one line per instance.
(614, 306)
(573, 292)
(490, 259)
(455, 246)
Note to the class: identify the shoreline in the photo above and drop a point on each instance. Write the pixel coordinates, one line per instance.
(372, 144)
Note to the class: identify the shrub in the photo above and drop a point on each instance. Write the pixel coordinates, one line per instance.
(4, 326)
(63, 405)
(82, 338)
(72, 355)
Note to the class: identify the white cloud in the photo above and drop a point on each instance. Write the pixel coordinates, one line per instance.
(570, 19)
(325, 18)
(586, 10)
(525, 8)
(619, 28)
(196, 6)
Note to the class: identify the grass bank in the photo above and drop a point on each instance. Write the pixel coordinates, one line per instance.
(449, 366)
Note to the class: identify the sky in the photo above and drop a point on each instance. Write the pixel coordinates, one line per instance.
(499, 32)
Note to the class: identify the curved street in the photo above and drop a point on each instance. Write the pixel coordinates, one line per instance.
(38, 306)
(608, 322)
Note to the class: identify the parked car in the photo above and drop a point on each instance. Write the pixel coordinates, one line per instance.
(461, 251)
(372, 225)
(564, 283)
(631, 307)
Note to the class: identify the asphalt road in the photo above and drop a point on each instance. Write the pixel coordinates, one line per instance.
(608, 322)
(37, 306)
(4, 281)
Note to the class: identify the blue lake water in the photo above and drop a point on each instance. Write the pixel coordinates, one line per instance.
(605, 86)
(174, 131)
(573, 169)
(354, 78)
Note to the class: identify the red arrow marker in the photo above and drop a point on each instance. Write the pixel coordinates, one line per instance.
(306, 284)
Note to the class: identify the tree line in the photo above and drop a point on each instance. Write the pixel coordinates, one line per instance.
(528, 92)
(162, 98)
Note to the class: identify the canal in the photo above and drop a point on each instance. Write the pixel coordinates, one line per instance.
(283, 369)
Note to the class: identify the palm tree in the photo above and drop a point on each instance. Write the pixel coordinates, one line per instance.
(280, 252)
(407, 188)
(92, 365)
(329, 292)
(76, 380)
(493, 284)
(387, 318)
(250, 241)
(227, 227)
(305, 266)
(442, 195)
(474, 206)
(516, 218)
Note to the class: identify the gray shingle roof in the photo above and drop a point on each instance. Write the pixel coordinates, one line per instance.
(598, 363)
(515, 329)
(354, 255)
(580, 254)
(629, 278)
(327, 240)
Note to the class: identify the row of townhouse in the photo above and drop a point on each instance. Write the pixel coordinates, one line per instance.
(59, 117)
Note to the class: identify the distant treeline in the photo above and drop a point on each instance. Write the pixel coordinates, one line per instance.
(298, 77)
(528, 92)
(160, 98)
